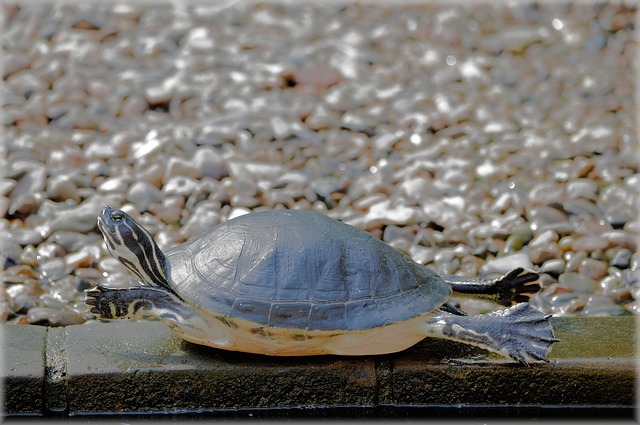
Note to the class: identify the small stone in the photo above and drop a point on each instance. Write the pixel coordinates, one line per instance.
(116, 184)
(544, 238)
(444, 256)
(245, 194)
(573, 260)
(593, 269)
(562, 298)
(157, 94)
(47, 251)
(47, 300)
(506, 263)
(108, 149)
(142, 194)
(25, 236)
(321, 118)
(13, 62)
(422, 255)
(4, 205)
(280, 128)
(319, 75)
(582, 188)
(578, 283)
(73, 241)
(553, 267)
(180, 185)
(22, 297)
(199, 222)
(10, 251)
(582, 208)
(620, 238)
(546, 215)
(54, 269)
(517, 240)
(618, 205)
(25, 204)
(153, 174)
(210, 163)
(392, 232)
(62, 187)
(633, 308)
(63, 290)
(87, 273)
(541, 253)
(621, 258)
(589, 243)
(32, 181)
(386, 213)
(170, 211)
(54, 317)
(601, 306)
(84, 258)
(180, 167)
(134, 106)
(6, 186)
(566, 305)
(29, 256)
(610, 284)
(628, 278)
(565, 243)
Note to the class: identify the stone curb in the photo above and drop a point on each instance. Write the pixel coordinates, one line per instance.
(133, 367)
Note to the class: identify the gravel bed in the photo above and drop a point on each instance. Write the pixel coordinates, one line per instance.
(474, 137)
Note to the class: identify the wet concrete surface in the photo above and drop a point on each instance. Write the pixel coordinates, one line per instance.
(125, 367)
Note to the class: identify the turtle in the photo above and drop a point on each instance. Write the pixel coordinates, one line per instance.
(299, 283)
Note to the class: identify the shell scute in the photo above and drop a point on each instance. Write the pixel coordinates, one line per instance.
(297, 315)
(329, 316)
(254, 310)
(358, 313)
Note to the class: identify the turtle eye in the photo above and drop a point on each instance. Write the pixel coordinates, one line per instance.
(117, 217)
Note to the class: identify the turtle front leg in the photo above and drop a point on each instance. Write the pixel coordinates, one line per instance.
(139, 302)
(136, 303)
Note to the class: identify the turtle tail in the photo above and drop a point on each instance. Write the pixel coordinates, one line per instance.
(521, 332)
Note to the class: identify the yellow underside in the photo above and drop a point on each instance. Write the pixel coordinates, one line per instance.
(246, 336)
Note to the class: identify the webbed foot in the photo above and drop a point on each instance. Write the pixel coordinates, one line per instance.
(521, 332)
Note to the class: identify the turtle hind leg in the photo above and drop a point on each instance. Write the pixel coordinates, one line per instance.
(138, 302)
(506, 290)
(520, 332)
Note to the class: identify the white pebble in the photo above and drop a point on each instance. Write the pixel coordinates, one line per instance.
(506, 263)
(141, 194)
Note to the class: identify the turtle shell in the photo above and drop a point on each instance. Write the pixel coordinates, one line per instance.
(297, 269)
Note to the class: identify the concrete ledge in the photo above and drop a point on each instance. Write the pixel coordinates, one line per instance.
(132, 367)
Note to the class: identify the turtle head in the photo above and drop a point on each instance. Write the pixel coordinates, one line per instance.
(133, 246)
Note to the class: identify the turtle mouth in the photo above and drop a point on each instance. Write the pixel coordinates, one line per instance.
(108, 219)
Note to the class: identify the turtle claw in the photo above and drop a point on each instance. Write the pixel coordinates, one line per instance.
(106, 302)
(521, 356)
(515, 285)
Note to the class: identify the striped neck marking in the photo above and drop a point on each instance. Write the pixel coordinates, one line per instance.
(133, 246)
